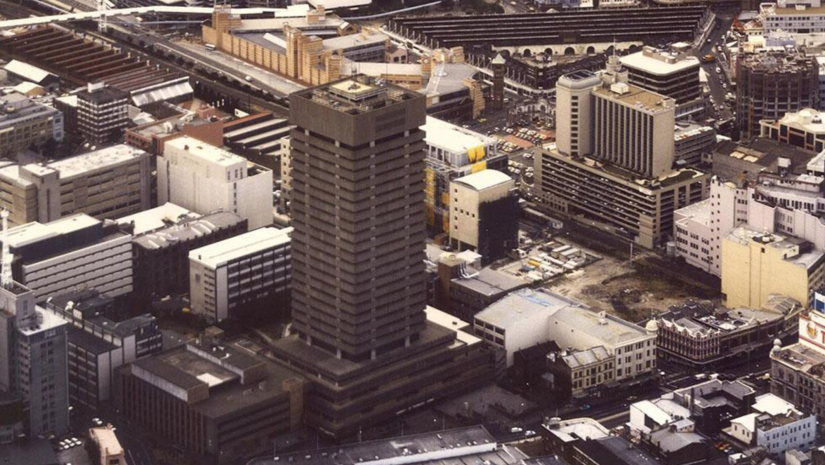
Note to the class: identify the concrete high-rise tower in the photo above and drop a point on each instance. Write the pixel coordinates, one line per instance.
(359, 291)
(497, 96)
(358, 187)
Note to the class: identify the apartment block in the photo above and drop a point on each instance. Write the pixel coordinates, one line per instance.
(204, 178)
(238, 272)
(25, 123)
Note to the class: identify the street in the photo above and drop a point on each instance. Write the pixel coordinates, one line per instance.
(715, 80)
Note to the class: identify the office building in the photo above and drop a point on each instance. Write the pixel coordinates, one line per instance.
(633, 129)
(215, 399)
(101, 338)
(793, 17)
(804, 129)
(106, 184)
(771, 84)
(745, 161)
(161, 257)
(201, 125)
(574, 107)
(106, 444)
(613, 163)
(671, 73)
(227, 276)
(526, 318)
(453, 152)
(757, 265)
(775, 424)
(204, 178)
(74, 252)
(701, 337)
(101, 114)
(798, 370)
(26, 123)
(359, 291)
(33, 360)
(692, 142)
(484, 214)
(625, 205)
(153, 219)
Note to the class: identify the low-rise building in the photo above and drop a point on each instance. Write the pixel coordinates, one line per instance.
(804, 129)
(578, 373)
(25, 123)
(205, 178)
(706, 407)
(484, 214)
(526, 318)
(464, 289)
(215, 399)
(774, 424)
(229, 276)
(161, 257)
(109, 448)
(701, 337)
(74, 252)
(798, 370)
(106, 183)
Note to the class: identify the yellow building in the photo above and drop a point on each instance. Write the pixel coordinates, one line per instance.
(756, 265)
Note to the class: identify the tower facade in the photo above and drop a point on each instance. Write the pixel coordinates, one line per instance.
(498, 65)
(358, 185)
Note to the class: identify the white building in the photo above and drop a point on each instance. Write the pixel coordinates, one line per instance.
(75, 252)
(456, 146)
(794, 17)
(650, 415)
(698, 229)
(526, 317)
(774, 424)
(204, 178)
(238, 271)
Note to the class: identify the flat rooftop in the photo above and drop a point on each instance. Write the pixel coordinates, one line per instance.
(106, 439)
(223, 252)
(490, 282)
(526, 304)
(453, 138)
(156, 218)
(101, 159)
(805, 258)
(206, 152)
(46, 321)
(20, 236)
(485, 179)
(660, 62)
(443, 447)
(636, 97)
(357, 95)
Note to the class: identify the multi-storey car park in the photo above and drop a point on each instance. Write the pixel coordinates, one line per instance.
(565, 27)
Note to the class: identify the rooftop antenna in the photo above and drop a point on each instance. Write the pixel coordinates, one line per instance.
(5, 262)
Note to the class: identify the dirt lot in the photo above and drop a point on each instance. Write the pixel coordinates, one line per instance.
(633, 291)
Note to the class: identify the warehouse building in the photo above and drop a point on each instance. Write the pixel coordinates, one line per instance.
(227, 276)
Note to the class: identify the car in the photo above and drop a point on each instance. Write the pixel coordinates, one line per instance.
(97, 421)
(516, 429)
(718, 70)
(585, 407)
(248, 78)
(529, 433)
